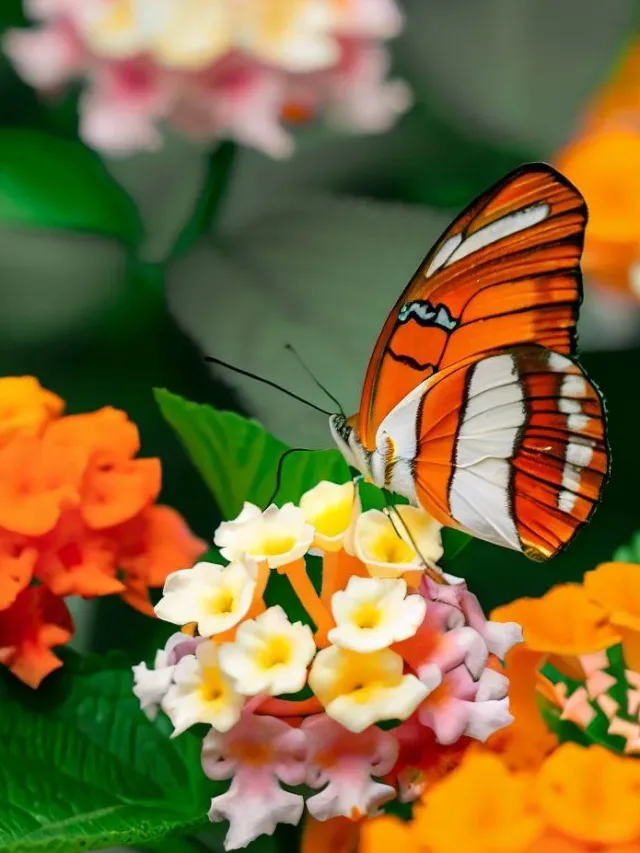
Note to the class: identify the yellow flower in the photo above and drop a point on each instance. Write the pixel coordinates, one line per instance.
(616, 587)
(330, 507)
(269, 655)
(358, 690)
(563, 622)
(591, 794)
(25, 407)
(215, 597)
(387, 549)
(276, 536)
(480, 808)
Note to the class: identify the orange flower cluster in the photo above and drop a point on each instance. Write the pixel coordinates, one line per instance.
(581, 799)
(77, 517)
(583, 655)
(603, 160)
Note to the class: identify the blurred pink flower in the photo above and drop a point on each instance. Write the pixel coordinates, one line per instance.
(214, 69)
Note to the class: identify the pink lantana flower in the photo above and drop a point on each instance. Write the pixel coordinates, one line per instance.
(344, 765)
(258, 753)
(217, 69)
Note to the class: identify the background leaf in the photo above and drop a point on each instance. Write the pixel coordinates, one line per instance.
(49, 182)
(82, 767)
(238, 458)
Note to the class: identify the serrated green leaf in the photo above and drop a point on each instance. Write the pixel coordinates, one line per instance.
(238, 459)
(48, 182)
(82, 767)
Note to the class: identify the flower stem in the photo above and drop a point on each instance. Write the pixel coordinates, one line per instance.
(214, 189)
(309, 598)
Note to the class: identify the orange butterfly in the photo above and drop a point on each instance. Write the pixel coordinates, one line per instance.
(473, 406)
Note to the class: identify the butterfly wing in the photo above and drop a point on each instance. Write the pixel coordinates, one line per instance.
(510, 447)
(505, 273)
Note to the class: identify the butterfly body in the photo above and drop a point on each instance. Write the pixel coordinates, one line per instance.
(473, 405)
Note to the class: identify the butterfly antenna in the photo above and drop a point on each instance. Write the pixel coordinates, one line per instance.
(392, 509)
(313, 377)
(280, 467)
(268, 382)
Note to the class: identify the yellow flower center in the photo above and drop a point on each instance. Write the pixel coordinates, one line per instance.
(362, 676)
(252, 753)
(273, 544)
(277, 652)
(213, 688)
(368, 616)
(333, 520)
(223, 602)
(391, 549)
(119, 17)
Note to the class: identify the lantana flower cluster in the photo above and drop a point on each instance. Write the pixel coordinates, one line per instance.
(77, 517)
(565, 776)
(214, 68)
(336, 706)
(583, 642)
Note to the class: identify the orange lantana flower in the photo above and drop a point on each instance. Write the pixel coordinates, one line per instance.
(36, 622)
(604, 162)
(565, 621)
(77, 515)
(480, 807)
(527, 741)
(616, 587)
(591, 795)
(116, 486)
(25, 407)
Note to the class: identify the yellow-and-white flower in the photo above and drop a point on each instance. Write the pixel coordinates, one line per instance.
(202, 693)
(277, 536)
(270, 655)
(358, 690)
(387, 549)
(373, 613)
(216, 597)
(331, 509)
(297, 35)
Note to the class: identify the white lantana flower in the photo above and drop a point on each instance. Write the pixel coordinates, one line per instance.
(277, 536)
(386, 548)
(373, 613)
(330, 508)
(269, 655)
(216, 597)
(358, 690)
(202, 693)
(151, 685)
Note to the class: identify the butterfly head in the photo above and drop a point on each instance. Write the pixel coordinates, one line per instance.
(345, 434)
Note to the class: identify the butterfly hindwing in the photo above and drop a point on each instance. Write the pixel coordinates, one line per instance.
(512, 448)
(506, 273)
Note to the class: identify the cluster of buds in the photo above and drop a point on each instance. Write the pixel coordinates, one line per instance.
(77, 517)
(391, 654)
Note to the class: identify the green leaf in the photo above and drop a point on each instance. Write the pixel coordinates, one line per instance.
(52, 183)
(238, 459)
(629, 553)
(82, 767)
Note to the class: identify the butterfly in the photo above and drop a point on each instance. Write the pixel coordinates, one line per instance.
(473, 405)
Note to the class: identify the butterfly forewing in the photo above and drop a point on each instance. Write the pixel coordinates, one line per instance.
(505, 273)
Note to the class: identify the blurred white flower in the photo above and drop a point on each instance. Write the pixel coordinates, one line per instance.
(214, 68)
